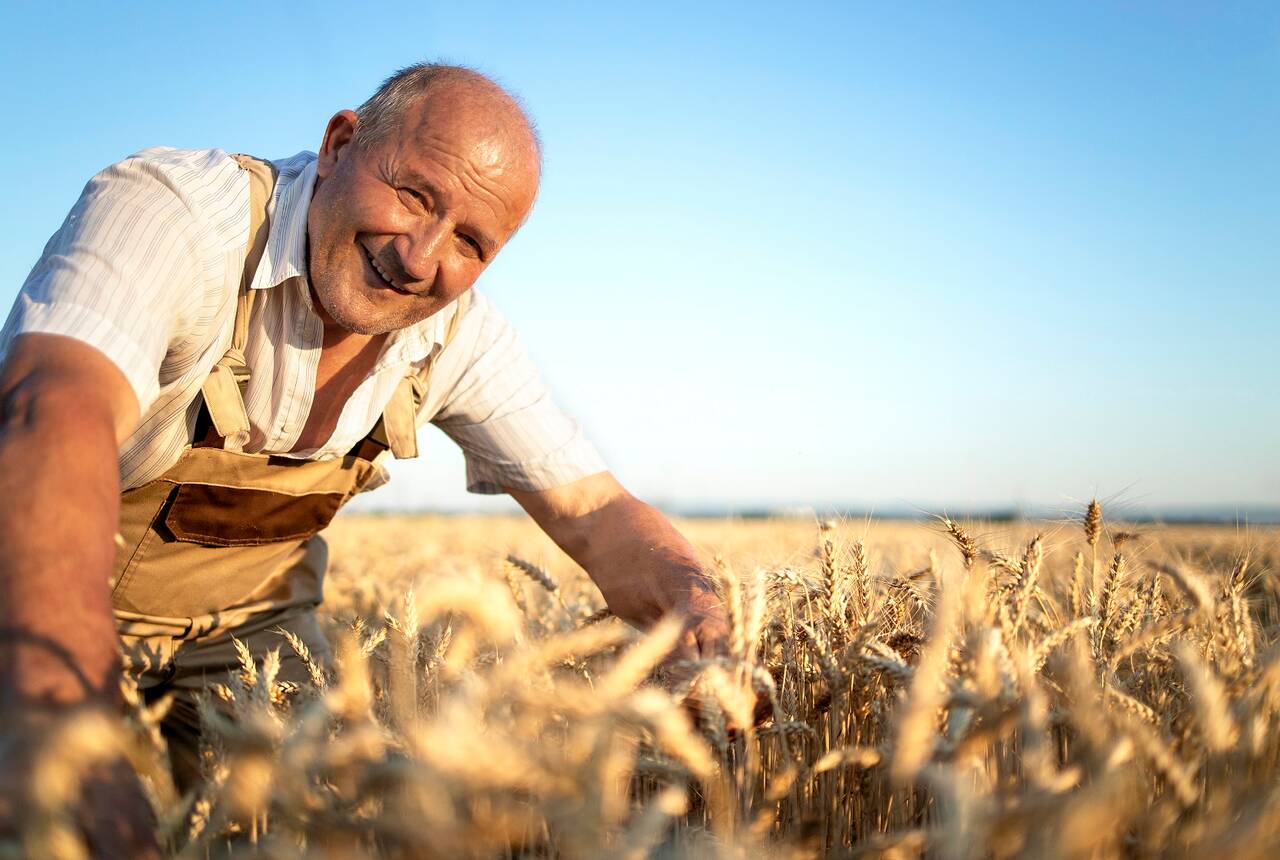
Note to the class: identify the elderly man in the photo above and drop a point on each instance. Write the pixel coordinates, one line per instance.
(214, 353)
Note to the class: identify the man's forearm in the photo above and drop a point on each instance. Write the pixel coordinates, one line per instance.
(643, 566)
(641, 563)
(59, 506)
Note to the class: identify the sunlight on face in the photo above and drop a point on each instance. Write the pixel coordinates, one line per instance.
(401, 227)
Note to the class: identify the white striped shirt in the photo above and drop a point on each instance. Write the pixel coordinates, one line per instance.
(146, 268)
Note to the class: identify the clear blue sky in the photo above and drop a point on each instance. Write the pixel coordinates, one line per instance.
(945, 255)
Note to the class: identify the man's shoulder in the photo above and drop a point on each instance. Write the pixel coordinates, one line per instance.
(178, 159)
(207, 186)
(204, 175)
(201, 188)
(202, 166)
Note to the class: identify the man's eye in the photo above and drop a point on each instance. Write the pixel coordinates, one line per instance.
(469, 245)
(416, 196)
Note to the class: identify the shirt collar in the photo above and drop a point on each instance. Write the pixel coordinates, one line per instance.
(285, 258)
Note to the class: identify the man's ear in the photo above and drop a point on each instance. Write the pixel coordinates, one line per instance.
(337, 137)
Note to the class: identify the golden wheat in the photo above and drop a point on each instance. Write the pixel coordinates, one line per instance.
(1014, 698)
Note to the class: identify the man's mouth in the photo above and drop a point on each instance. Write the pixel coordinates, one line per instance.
(380, 276)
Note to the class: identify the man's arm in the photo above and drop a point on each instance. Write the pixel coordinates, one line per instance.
(642, 565)
(64, 409)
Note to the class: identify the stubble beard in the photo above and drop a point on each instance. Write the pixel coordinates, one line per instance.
(354, 313)
(340, 313)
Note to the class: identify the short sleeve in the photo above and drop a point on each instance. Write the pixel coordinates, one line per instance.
(121, 274)
(501, 414)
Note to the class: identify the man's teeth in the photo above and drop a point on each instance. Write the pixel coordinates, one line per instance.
(384, 275)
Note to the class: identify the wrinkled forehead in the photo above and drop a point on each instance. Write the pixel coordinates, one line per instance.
(489, 125)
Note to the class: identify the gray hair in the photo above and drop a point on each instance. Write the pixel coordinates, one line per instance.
(383, 113)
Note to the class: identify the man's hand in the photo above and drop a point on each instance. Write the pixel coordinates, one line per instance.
(707, 628)
(643, 566)
(645, 569)
(45, 777)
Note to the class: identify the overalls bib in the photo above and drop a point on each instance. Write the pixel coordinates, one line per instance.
(226, 543)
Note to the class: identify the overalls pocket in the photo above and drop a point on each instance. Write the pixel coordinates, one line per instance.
(221, 528)
(215, 515)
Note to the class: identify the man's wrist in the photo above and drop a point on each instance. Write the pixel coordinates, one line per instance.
(686, 591)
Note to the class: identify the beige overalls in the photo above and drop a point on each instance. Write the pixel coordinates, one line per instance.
(226, 543)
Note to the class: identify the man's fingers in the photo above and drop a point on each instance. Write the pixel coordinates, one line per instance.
(678, 666)
(118, 821)
(712, 637)
(687, 647)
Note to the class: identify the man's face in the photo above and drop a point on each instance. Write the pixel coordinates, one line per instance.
(401, 227)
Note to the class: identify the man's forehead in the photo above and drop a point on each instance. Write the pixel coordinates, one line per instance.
(479, 113)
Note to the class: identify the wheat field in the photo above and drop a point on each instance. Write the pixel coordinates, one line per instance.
(1077, 688)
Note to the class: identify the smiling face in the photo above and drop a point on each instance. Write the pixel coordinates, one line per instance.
(400, 227)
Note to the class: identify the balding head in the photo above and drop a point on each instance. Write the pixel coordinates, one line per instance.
(385, 112)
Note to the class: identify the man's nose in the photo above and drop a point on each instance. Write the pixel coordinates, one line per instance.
(420, 250)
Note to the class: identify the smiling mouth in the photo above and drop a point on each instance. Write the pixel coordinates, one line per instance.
(380, 276)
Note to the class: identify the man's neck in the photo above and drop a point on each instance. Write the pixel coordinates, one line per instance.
(336, 338)
(346, 359)
(344, 355)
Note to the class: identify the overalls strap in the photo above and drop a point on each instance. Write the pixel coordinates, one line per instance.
(223, 389)
(398, 429)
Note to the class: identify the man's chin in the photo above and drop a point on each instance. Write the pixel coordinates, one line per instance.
(341, 313)
(359, 313)
(361, 326)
